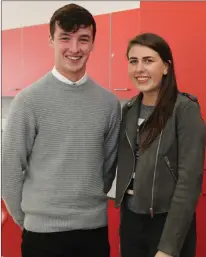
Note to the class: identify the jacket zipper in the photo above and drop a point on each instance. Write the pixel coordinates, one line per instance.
(170, 168)
(133, 162)
(132, 169)
(154, 176)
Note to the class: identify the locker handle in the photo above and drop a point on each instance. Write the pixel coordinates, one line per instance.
(15, 89)
(121, 89)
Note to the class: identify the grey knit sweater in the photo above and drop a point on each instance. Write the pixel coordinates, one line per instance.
(59, 142)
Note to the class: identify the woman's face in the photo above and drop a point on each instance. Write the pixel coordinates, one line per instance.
(146, 68)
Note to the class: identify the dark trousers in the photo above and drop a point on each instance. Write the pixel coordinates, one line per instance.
(140, 235)
(77, 243)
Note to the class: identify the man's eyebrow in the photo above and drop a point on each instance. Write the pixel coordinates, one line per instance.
(85, 35)
(70, 33)
(64, 33)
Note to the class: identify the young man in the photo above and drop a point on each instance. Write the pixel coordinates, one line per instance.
(59, 149)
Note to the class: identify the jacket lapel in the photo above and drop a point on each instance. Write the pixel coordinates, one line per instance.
(131, 120)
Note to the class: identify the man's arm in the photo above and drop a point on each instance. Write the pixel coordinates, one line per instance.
(18, 138)
(110, 147)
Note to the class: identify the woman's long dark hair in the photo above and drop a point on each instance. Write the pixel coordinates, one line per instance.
(168, 90)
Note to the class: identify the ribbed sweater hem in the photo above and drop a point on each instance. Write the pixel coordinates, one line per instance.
(83, 221)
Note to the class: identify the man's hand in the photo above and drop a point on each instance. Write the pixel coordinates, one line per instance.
(161, 254)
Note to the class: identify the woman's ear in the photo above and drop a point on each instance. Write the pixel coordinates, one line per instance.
(165, 72)
(166, 68)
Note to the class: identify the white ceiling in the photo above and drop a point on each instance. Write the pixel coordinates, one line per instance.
(17, 14)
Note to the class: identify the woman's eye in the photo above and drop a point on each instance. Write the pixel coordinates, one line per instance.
(133, 62)
(148, 61)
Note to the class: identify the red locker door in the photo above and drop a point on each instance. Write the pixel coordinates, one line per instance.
(204, 182)
(12, 71)
(10, 236)
(204, 178)
(37, 53)
(98, 64)
(201, 227)
(113, 223)
(124, 26)
(182, 25)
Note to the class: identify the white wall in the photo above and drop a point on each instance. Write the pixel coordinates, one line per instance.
(17, 14)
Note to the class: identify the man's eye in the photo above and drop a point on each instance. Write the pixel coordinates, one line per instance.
(84, 40)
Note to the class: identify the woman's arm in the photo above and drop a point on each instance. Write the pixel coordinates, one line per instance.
(191, 151)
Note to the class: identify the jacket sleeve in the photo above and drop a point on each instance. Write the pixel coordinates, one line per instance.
(191, 151)
(110, 147)
(18, 138)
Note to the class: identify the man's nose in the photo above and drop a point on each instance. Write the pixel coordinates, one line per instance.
(74, 46)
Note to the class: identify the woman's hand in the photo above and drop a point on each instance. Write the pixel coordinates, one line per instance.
(161, 254)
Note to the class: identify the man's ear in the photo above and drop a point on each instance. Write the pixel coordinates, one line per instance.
(50, 40)
(92, 47)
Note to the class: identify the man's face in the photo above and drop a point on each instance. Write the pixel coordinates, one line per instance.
(72, 50)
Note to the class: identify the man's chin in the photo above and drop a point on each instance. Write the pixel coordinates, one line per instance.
(73, 69)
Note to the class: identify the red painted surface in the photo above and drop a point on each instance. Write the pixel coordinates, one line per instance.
(10, 237)
(201, 227)
(181, 24)
(37, 53)
(98, 64)
(113, 222)
(125, 25)
(204, 183)
(12, 70)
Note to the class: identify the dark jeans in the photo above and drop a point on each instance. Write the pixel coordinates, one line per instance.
(77, 243)
(140, 235)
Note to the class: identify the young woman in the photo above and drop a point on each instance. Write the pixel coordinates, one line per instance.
(160, 158)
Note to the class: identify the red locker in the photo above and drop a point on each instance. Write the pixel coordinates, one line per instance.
(37, 53)
(201, 227)
(11, 236)
(204, 183)
(124, 26)
(12, 65)
(98, 64)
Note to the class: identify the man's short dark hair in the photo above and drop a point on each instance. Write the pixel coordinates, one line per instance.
(70, 18)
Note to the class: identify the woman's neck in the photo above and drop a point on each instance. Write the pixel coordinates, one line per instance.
(149, 98)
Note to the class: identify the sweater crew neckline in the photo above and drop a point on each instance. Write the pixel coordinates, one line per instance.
(56, 83)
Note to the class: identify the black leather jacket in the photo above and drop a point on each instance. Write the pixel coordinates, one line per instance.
(169, 172)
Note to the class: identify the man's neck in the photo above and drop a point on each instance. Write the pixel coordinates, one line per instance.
(72, 76)
(80, 79)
